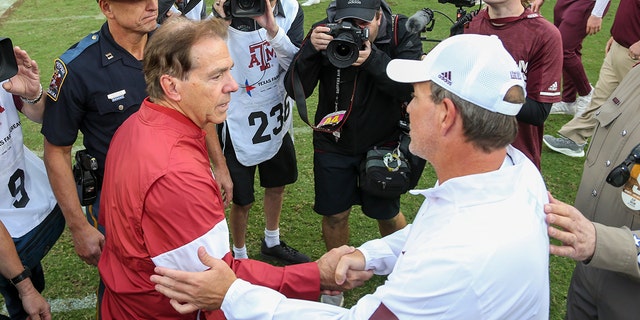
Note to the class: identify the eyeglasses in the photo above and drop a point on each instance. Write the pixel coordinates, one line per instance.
(620, 174)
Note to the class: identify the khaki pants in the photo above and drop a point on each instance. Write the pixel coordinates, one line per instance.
(616, 65)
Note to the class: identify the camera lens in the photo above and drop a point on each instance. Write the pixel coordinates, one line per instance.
(343, 50)
(342, 53)
(247, 4)
(247, 8)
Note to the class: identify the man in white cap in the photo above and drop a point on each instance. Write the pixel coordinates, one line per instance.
(480, 229)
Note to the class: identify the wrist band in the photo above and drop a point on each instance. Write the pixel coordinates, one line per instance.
(33, 101)
(26, 273)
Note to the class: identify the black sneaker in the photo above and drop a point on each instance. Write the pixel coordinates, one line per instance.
(283, 253)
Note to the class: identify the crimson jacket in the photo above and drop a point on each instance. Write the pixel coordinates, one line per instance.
(160, 202)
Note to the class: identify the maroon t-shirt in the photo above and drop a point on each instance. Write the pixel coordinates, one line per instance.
(536, 45)
(626, 25)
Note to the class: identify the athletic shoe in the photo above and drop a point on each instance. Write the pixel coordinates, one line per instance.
(582, 102)
(564, 145)
(310, 3)
(337, 300)
(283, 253)
(563, 108)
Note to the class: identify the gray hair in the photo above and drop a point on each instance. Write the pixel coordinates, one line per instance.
(487, 130)
(169, 49)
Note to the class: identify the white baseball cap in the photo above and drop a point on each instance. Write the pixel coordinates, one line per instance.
(477, 68)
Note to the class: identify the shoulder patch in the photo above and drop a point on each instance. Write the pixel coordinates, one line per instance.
(59, 74)
(60, 64)
(79, 47)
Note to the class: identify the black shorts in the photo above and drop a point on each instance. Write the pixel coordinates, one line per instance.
(278, 171)
(336, 188)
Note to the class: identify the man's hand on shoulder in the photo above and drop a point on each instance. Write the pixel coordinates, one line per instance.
(191, 291)
(576, 233)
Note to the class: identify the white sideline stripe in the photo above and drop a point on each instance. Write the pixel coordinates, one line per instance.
(66, 305)
(96, 17)
(6, 4)
(305, 130)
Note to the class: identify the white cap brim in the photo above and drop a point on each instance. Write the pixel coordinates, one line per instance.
(408, 71)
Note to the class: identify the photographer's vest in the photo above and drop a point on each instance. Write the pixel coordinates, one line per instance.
(26, 198)
(259, 114)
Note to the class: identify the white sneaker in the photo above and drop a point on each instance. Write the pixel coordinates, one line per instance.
(310, 3)
(563, 108)
(582, 102)
(337, 300)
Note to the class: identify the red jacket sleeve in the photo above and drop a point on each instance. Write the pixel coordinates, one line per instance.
(299, 281)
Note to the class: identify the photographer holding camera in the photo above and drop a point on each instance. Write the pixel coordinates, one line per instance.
(263, 38)
(369, 100)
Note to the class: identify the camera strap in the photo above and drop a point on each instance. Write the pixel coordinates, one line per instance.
(330, 123)
(190, 5)
(394, 30)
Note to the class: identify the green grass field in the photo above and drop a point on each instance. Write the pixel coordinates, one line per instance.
(47, 28)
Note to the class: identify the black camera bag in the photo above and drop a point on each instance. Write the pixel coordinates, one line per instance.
(385, 172)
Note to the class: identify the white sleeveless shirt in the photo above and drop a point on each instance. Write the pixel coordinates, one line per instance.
(260, 112)
(26, 197)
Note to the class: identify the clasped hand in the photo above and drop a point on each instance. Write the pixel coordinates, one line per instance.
(340, 269)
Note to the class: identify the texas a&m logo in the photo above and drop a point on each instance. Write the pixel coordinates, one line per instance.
(261, 55)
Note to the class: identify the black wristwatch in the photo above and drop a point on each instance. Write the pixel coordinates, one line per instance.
(26, 273)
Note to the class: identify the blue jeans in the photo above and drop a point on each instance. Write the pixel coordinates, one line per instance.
(32, 247)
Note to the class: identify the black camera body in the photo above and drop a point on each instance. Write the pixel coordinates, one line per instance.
(8, 64)
(243, 8)
(460, 3)
(348, 39)
(84, 172)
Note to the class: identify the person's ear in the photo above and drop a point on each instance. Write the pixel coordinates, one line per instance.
(448, 115)
(105, 7)
(170, 87)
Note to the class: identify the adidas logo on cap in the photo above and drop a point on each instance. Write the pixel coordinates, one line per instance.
(446, 77)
